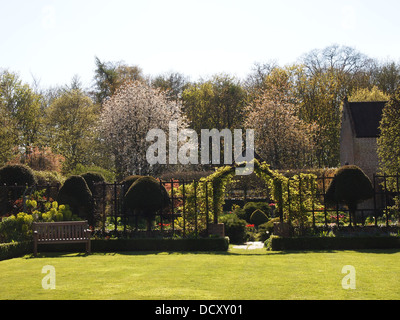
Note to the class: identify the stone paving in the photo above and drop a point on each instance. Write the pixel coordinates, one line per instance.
(250, 245)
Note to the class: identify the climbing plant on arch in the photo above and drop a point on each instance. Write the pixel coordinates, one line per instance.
(294, 196)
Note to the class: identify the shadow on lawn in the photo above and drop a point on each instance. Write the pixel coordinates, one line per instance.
(137, 253)
(42, 255)
(230, 252)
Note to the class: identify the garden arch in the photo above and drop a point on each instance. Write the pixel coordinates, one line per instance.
(224, 175)
(293, 196)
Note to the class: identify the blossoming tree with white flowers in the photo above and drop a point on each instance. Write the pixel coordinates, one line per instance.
(128, 116)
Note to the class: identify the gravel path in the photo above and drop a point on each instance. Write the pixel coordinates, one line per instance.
(250, 245)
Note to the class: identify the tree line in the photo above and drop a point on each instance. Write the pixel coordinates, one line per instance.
(294, 109)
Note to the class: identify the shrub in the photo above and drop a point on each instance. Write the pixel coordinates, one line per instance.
(15, 249)
(16, 228)
(258, 217)
(350, 186)
(128, 181)
(51, 178)
(147, 195)
(19, 227)
(56, 212)
(235, 228)
(250, 207)
(92, 178)
(39, 158)
(10, 175)
(18, 174)
(76, 193)
(240, 212)
(265, 230)
(80, 169)
(9, 230)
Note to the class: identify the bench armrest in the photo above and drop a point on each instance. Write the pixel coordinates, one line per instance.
(87, 232)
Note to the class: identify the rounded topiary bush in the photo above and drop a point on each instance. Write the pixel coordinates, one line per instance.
(11, 175)
(147, 195)
(17, 174)
(76, 193)
(350, 186)
(128, 181)
(92, 178)
(258, 217)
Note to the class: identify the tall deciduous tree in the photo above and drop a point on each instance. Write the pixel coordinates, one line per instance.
(389, 140)
(172, 83)
(109, 76)
(282, 138)
(386, 77)
(71, 120)
(20, 111)
(365, 94)
(217, 103)
(255, 81)
(324, 79)
(320, 100)
(7, 137)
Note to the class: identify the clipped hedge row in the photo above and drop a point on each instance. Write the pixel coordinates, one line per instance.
(193, 245)
(15, 249)
(332, 243)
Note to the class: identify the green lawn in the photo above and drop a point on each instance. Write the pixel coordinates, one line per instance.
(234, 275)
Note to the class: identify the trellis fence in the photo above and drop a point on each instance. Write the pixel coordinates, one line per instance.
(380, 209)
(191, 213)
(178, 218)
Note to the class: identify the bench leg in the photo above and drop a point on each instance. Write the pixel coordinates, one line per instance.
(88, 248)
(35, 248)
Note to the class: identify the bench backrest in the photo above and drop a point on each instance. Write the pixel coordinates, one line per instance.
(67, 230)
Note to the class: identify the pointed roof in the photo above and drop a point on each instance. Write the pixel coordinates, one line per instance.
(366, 117)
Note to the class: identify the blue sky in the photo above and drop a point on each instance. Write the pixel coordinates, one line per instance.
(53, 40)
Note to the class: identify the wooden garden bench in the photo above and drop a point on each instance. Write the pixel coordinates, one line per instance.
(61, 232)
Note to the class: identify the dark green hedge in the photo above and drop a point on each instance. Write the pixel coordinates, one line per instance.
(207, 244)
(15, 249)
(333, 243)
